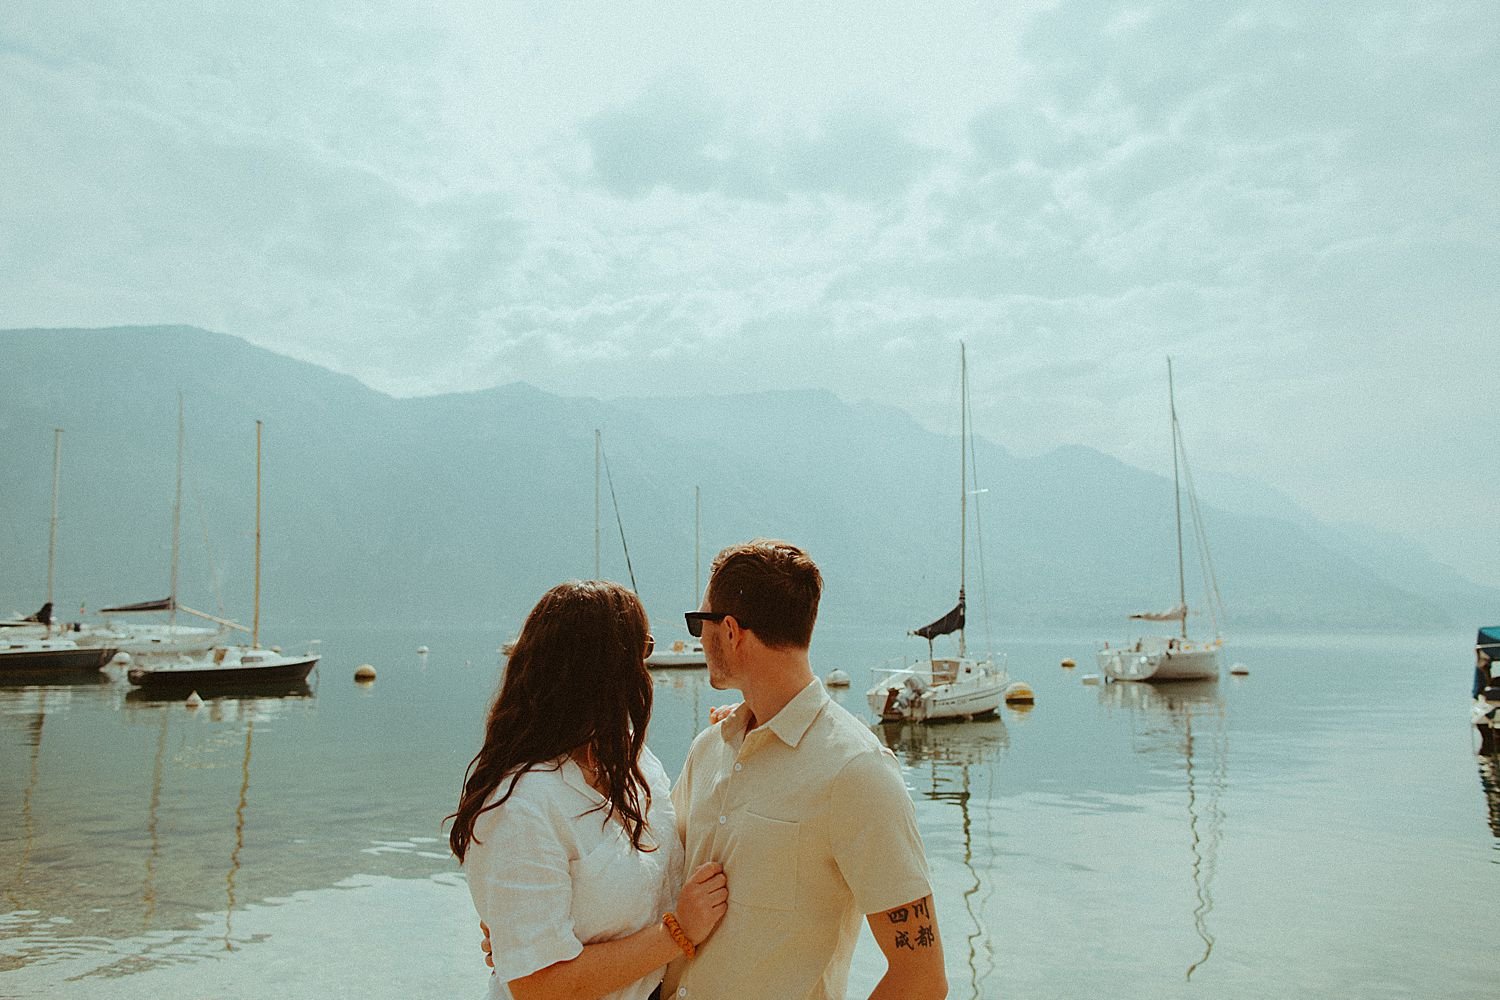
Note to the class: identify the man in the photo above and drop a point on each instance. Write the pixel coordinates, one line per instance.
(801, 804)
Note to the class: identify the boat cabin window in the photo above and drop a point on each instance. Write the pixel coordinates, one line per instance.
(944, 671)
(251, 659)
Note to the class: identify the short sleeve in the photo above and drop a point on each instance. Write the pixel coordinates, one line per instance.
(522, 888)
(878, 849)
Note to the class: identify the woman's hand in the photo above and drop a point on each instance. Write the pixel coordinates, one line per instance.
(703, 900)
(719, 713)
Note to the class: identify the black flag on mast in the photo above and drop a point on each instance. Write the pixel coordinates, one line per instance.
(951, 622)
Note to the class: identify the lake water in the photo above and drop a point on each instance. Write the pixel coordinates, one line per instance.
(1320, 828)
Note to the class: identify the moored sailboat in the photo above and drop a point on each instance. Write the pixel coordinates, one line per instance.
(946, 687)
(230, 668)
(686, 652)
(39, 660)
(30, 652)
(1486, 690)
(1174, 658)
(161, 638)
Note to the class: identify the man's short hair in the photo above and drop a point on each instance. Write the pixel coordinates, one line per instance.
(771, 588)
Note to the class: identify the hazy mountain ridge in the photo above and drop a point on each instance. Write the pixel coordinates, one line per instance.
(462, 508)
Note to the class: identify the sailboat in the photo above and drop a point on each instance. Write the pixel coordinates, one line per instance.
(680, 652)
(949, 687)
(230, 668)
(1486, 711)
(686, 652)
(600, 469)
(29, 652)
(169, 638)
(1158, 658)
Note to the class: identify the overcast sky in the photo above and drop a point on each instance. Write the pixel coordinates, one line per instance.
(1299, 201)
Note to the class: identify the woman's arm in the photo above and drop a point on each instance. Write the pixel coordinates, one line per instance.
(602, 968)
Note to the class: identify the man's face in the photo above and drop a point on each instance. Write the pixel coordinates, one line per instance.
(714, 650)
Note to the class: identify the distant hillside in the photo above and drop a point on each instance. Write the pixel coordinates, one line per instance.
(461, 509)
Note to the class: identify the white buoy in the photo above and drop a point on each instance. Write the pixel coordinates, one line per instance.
(1019, 693)
(1239, 670)
(421, 650)
(836, 679)
(193, 701)
(364, 672)
(1090, 678)
(122, 658)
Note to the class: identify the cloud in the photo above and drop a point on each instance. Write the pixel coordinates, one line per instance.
(1298, 202)
(673, 136)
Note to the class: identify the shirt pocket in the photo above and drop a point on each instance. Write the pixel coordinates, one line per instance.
(762, 868)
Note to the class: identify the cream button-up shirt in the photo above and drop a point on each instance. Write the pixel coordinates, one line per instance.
(812, 822)
(550, 874)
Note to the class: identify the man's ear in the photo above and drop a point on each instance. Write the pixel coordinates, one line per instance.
(736, 631)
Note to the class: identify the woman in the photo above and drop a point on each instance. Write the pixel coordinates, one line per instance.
(565, 826)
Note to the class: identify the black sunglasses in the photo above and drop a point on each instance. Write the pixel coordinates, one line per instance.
(695, 620)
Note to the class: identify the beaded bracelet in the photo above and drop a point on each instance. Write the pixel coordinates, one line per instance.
(679, 936)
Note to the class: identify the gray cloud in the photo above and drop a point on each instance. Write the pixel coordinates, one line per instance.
(674, 137)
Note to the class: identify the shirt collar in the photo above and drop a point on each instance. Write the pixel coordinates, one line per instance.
(573, 776)
(790, 724)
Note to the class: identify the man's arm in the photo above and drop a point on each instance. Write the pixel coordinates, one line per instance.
(908, 937)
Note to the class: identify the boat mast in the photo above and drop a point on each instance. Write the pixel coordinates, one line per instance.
(963, 480)
(598, 449)
(697, 536)
(619, 521)
(52, 534)
(255, 625)
(177, 511)
(1177, 498)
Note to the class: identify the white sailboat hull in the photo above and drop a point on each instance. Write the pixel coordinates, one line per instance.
(1161, 660)
(957, 689)
(681, 654)
(226, 667)
(153, 640)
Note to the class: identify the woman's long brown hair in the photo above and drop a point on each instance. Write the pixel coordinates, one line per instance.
(576, 679)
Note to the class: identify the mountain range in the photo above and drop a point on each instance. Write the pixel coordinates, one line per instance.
(460, 509)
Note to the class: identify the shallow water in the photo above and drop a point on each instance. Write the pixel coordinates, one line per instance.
(1321, 827)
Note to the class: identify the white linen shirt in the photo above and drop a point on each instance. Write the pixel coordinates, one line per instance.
(549, 876)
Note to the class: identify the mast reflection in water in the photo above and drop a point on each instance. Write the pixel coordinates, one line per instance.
(950, 754)
(1186, 719)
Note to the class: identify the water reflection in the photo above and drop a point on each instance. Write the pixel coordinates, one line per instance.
(682, 701)
(55, 853)
(34, 727)
(952, 756)
(291, 689)
(1186, 720)
(23, 682)
(1489, 780)
(148, 893)
(239, 835)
